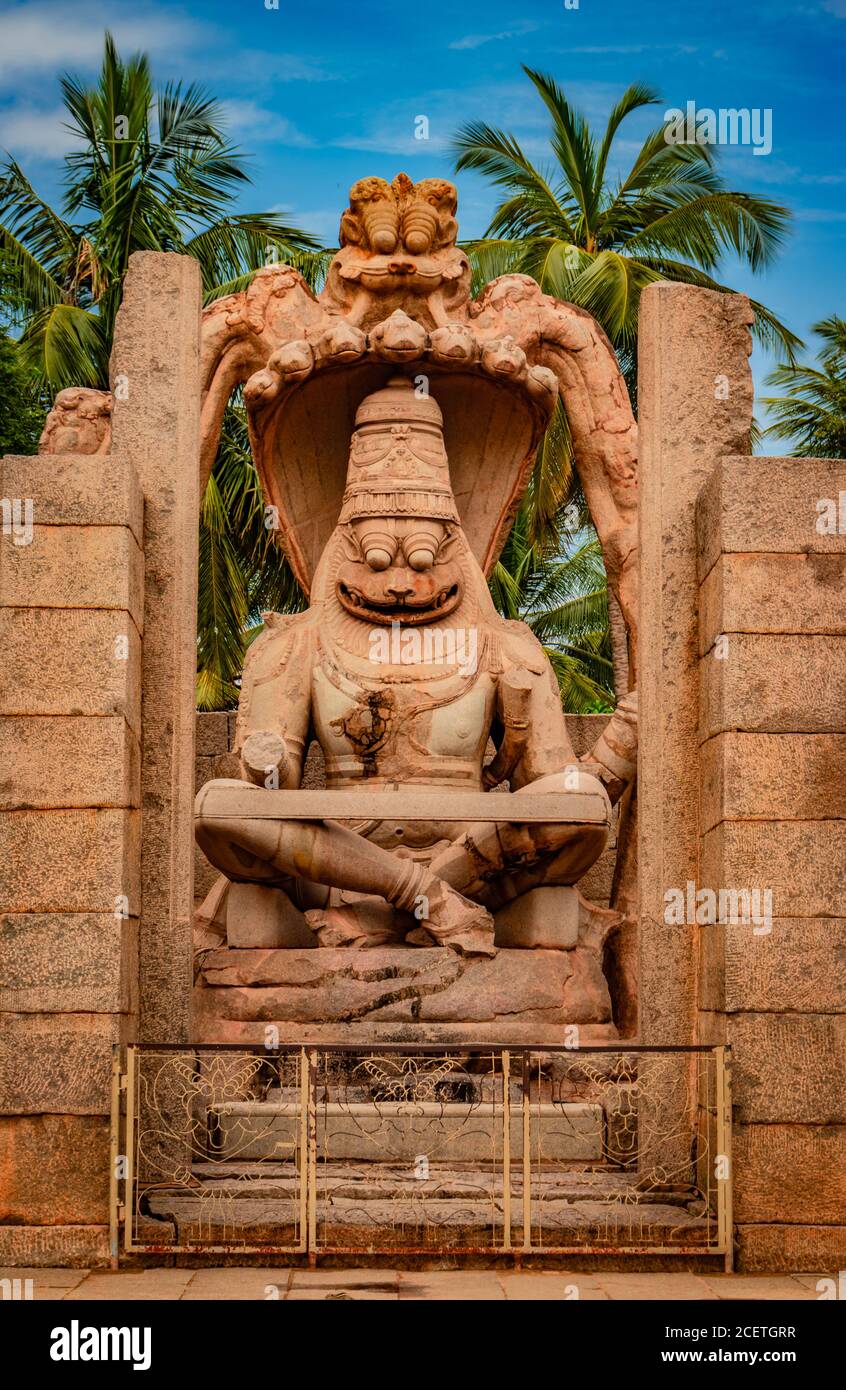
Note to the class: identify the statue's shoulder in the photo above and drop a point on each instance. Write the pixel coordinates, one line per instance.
(519, 647)
(283, 635)
(287, 622)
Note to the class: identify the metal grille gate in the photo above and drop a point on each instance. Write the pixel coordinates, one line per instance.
(421, 1150)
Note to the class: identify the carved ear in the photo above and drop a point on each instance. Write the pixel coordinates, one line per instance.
(448, 545)
(367, 190)
(351, 230)
(349, 546)
(447, 231)
(440, 192)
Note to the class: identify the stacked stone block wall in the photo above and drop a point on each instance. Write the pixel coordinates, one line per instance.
(772, 649)
(71, 628)
(97, 672)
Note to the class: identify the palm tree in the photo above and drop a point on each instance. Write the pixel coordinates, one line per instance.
(242, 571)
(563, 598)
(21, 406)
(152, 172)
(597, 241)
(811, 412)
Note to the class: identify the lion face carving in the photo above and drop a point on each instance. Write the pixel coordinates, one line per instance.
(398, 239)
(385, 218)
(399, 570)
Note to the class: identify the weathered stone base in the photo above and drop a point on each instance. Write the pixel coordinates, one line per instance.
(401, 994)
(54, 1247)
(775, 1249)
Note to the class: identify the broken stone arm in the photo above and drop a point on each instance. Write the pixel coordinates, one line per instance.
(613, 758)
(274, 713)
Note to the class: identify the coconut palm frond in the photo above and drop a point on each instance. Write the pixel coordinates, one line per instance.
(154, 171)
(810, 410)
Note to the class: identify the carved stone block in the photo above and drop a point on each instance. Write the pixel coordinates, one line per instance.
(258, 916)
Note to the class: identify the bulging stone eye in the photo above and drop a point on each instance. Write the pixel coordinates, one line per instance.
(421, 558)
(377, 558)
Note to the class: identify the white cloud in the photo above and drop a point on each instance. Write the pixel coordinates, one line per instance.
(248, 120)
(514, 106)
(628, 48)
(526, 26)
(27, 132)
(41, 37)
(606, 48)
(30, 132)
(264, 65)
(322, 222)
(737, 162)
(386, 140)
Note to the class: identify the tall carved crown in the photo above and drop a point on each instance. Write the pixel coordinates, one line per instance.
(398, 463)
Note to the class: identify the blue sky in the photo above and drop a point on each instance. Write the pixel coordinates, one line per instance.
(324, 94)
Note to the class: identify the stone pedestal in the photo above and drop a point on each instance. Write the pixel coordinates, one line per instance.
(402, 994)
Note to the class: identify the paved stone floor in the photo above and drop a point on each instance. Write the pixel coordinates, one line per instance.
(463, 1285)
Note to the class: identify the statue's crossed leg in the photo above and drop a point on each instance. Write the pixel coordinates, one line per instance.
(447, 897)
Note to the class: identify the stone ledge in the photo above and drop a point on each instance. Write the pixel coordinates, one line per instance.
(403, 985)
(76, 489)
(210, 1027)
(766, 504)
(231, 798)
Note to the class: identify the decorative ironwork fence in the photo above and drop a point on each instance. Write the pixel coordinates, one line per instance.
(421, 1150)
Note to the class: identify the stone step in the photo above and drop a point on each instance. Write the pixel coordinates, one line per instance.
(407, 1130)
(271, 1180)
(430, 1220)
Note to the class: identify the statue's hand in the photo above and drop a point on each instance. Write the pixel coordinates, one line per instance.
(264, 757)
(614, 756)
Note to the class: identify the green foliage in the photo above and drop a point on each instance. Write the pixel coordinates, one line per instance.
(563, 598)
(153, 171)
(597, 242)
(21, 406)
(810, 412)
(243, 572)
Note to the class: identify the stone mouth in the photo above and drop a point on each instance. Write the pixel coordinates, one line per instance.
(396, 269)
(407, 612)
